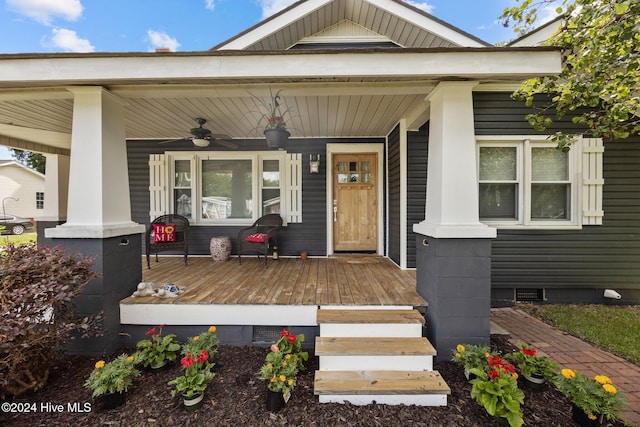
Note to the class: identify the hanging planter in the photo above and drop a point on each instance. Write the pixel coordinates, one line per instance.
(276, 138)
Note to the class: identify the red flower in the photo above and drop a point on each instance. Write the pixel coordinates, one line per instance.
(203, 356)
(187, 361)
(284, 333)
(529, 351)
(291, 338)
(493, 374)
(151, 331)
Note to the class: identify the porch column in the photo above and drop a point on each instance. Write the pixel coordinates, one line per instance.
(453, 248)
(56, 188)
(98, 212)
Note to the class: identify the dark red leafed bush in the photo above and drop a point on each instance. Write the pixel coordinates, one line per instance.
(37, 291)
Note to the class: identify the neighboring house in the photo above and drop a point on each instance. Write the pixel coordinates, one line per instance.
(22, 189)
(413, 123)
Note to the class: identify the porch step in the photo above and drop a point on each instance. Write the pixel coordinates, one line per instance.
(423, 388)
(376, 355)
(365, 353)
(370, 323)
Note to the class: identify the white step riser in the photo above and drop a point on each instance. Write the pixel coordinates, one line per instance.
(375, 363)
(387, 399)
(385, 330)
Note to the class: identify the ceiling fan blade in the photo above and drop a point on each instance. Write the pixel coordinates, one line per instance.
(172, 140)
(226, 143)
(221, 136)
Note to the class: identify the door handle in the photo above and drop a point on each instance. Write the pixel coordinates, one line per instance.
(335, 213)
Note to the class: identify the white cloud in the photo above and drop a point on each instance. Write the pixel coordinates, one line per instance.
(423, 5)
(546, 14)
(68, 41)
(270, 7)
(209, 4)
(44, 11)
(160, 39)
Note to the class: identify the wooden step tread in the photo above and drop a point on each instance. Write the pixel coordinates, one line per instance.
(370, 316)
(380, 382)
(357, 346)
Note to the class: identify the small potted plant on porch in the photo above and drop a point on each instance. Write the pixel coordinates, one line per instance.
(157, 351)
(111, 380)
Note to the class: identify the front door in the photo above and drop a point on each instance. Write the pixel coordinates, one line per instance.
(355, 202)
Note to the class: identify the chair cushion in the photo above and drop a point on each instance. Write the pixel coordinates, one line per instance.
(256, 238)
(164, 233)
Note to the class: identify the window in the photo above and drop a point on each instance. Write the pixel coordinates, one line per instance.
(226, 188)
(527, 183)
(39, 200)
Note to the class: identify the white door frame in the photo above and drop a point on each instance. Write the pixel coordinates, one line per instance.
(355, 148)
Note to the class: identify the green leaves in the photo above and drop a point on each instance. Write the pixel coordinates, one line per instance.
(600, 71)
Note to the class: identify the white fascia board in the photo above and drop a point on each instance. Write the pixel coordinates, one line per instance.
(473, 64)
(426, 23)
(273, 25)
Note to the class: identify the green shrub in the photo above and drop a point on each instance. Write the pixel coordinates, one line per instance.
(37, 290)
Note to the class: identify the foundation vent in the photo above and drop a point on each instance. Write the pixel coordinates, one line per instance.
(529, 295)
(266, 334)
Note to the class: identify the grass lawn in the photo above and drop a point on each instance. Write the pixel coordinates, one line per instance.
(5, 239)
(613, 328)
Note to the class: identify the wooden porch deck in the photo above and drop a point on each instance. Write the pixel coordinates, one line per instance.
(340, 281)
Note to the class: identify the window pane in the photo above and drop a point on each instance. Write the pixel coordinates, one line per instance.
(550, 201)
(364, 166)
(498, 201)
(182, 202)
(498, 163)
(549, 164)
(270, 201)
(226, 189)
(342, 166)
(183, 173)
(271, 173)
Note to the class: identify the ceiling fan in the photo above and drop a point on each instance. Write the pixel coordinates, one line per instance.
(202, 137)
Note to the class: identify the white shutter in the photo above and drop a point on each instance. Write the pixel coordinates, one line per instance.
(294, 188)
(592, 181)
(157, 186)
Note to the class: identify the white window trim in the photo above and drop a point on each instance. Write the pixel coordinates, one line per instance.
(256, 158)
(524, 144)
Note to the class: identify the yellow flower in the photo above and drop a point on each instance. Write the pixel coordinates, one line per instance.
(212, 329)
(288, 356)
(269, 365)
(568, 373)
(609, 388)
(97, 373)
(591, 417)
(602, 379)
(130, 359)
(284, 364)
(515, 376)
(100, 364)
(273, 380)
(458, 355)
(291, 382)
(460, 348)
(283, 378)
(196, 338)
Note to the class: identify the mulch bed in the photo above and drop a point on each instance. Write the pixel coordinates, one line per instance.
(236, 397)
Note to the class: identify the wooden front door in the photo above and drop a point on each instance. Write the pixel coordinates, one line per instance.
(355, 202)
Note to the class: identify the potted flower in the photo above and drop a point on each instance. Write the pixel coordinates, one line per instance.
(535, 369)
(471, 356)
(497, 390)
(157, 351)
(281, 367)
(111, 380)
(207, 341)
(195, 379)
(272, 120)
(594, 400)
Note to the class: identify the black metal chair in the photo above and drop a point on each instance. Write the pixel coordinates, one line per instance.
(259, 236)
(180, 243)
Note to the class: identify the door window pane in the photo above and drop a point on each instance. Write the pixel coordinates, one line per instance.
(182, 202)
(182, 177)
(227, 189)
(270, 187)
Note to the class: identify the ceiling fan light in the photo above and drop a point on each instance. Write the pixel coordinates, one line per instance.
(200, 142)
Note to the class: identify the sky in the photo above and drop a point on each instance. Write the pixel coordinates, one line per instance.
(45, 26)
